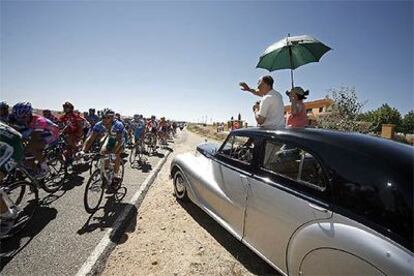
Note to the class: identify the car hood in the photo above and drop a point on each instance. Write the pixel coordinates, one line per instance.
(208, 149)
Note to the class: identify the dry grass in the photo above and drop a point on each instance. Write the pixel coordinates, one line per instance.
(207, 131)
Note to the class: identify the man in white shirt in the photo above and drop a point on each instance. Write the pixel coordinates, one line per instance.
(269, 113)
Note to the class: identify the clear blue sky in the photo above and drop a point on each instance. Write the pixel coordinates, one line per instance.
(185, 59)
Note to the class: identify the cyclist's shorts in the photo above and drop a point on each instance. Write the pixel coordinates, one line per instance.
(138, 133)
(11, 148)
(154, 130)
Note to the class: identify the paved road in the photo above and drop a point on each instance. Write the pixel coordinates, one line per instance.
(62, 235)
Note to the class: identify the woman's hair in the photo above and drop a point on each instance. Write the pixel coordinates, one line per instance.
(301, 97)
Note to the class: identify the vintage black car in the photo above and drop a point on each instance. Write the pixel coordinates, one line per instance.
(308, 201)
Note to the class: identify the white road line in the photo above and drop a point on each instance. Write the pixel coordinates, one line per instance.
(105, 243)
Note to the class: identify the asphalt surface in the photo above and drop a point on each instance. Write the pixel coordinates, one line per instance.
(62, 235)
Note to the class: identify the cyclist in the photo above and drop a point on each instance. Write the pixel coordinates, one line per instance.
(112, 133)
(40, 133)
(92, 118)
(152, 127)
(174, 127)
(138, 127)
(163, 130)
(72, 124)
(48, 115)
(4, 112)
(11, 154)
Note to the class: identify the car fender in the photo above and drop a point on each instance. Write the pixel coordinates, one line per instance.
(352, 241)
(197, 171)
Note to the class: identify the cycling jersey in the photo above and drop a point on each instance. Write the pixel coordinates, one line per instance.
(152, 125)
(92, 119)
(117, 127)
(73, 123)
(54, 119)
(138, 126)
(11, 148)
(163, 126)
(50, 131)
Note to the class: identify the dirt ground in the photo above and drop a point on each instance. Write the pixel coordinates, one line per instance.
(171, 238)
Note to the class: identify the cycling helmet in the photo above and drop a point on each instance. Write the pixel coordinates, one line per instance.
(91, 109)
(69, 105)
(108, 112)
(4, 105)
(22, 109)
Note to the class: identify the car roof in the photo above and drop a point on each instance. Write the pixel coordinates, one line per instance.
(378, 148)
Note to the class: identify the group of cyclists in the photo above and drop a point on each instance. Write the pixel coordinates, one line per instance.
(24, 137)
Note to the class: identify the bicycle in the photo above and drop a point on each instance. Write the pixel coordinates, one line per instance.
(58, 168)
(100, 180)
(21, 196)
(150, 140)
(137, 152)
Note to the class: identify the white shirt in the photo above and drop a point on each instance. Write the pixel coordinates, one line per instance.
(272, 109)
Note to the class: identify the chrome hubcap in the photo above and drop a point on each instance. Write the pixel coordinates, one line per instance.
(179, 185)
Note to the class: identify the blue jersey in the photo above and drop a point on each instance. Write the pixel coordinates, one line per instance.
(117, 128)
(92, 119)
(137, 124)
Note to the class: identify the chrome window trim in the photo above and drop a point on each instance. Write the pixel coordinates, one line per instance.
(308, 184)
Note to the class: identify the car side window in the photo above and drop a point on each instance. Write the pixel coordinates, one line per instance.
(294, 163)
(239, 148)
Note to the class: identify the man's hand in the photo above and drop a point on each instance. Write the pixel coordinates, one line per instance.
(244, 86)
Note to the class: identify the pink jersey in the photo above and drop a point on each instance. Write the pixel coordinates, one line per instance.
(41, 123)
(298, 119)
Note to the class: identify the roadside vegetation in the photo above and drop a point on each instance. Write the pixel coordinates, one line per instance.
(208, 131)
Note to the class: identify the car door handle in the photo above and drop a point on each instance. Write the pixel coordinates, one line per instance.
(320, 209)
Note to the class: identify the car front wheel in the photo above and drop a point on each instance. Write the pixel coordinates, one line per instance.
(180, 186)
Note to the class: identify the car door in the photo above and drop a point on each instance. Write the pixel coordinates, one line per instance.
(234, 160)
(288, 190)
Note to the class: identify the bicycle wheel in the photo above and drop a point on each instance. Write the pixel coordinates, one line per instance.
(94, 192)
(93, 166)
(133, 155)
(24, 197)
(120, 173)
(57, 174)
(148, 142)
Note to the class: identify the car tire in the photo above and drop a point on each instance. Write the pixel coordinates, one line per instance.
(180, 186)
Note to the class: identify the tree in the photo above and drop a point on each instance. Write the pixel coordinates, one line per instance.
(407, 123)
(383, 115)
(345, 113)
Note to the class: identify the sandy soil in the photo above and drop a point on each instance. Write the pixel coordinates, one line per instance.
(172, 238)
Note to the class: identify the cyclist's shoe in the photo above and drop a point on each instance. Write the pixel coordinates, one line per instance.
(11, 214)
(113, 187)
(5, 227)
(116, 183)
(110, 190)
(124, 155)
(7, 221)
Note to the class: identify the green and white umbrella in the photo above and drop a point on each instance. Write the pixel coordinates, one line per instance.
(292, 52)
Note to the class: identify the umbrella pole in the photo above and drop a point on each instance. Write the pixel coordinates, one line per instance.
(291, 65)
